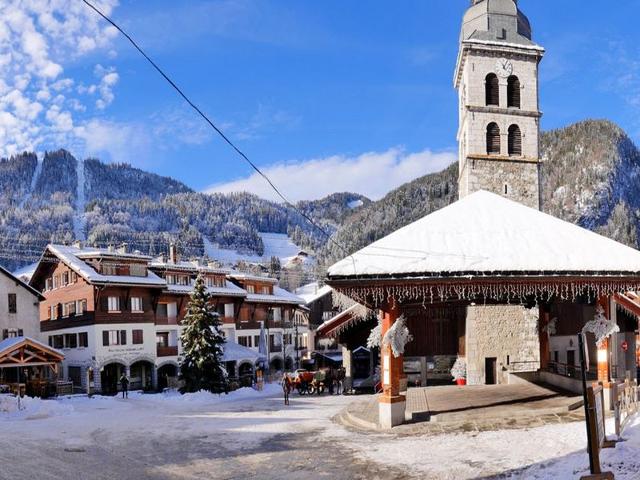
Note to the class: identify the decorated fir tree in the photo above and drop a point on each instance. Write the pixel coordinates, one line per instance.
(202, 343)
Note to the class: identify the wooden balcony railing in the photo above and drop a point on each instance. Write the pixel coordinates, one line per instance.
(166, 320)
(167, 351)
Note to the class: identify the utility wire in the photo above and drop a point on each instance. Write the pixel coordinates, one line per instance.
(212, 125)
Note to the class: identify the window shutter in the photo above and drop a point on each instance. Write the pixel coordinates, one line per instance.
(492, 90)
(105, 338)
(104, 304)
(515, 140)
(5, 334)
(513, 92)
(493, 139)
(123, 337)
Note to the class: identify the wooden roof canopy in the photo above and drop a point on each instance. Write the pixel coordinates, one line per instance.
(27, 352)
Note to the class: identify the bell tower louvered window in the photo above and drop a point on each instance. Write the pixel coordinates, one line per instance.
(492, 89)
(515, 141)
(493, 139)
(513, 92)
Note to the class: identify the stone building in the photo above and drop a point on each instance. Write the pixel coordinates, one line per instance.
(19, 311)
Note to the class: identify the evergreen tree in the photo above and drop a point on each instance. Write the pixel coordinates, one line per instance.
(202, 342)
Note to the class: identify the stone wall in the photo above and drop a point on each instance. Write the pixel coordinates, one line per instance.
(508, 333)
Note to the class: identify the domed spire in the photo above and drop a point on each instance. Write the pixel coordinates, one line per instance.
(496, 20)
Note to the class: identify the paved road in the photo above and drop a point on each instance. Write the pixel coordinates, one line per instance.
(141, 439)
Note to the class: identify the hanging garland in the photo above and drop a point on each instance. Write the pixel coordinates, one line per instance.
(514, 292)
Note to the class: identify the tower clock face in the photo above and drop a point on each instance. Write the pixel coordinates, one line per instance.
(504, 67)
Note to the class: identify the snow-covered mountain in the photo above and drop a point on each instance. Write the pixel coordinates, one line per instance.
(58, 198)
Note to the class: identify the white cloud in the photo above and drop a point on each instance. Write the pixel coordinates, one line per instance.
(371, 174)
(37, 39)
(113, 141)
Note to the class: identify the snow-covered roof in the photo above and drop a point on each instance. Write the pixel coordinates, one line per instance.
(312, 292)
(73, 258)
(228, 290)
(280, 295)
(234, 352)
(485, 234)
(249, 277)
(185, 266)
(338, 321)
(10, 343)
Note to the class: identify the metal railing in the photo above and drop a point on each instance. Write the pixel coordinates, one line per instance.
(570, 371)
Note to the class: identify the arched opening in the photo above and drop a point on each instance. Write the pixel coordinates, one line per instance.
(288, 364)
(276, 365)
(513, 92)
(493, 139)
(515, 141)
(492, 89)
(141, 375)
(166, 375)
(109, 378)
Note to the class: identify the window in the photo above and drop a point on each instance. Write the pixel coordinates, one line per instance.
(515, 141)
(48, 284)
(70, 340)
(244, 341)
(109, 269)
(137, 337)
(114, 337)
(513, 92)
(493, 139)
(73, 276)
(68, 309)
(136, 304)
(13, 303)
(83, 339)
(256, 340)
(58, 341)
(215, 282)
(265, 291)
(113, 304)
(137, 270)
(251, 289)
(229, 310)
(52, 312)
(171, 279)
(184, 280)
(162, 339)
(56, 281)
(492, 89)
(65, 279)
(81, 307)
(277, 314)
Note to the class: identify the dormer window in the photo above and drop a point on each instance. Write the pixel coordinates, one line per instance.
(265, 290)
(183, 280)
(137, 270)
(109, 269)
(170, 278)
(251, 289)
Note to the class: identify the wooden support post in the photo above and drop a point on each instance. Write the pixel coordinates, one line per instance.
(391, 402)
(543, 336)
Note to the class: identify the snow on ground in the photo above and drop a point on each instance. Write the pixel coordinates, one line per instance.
(14, 408)
(355, 204)
(275, 245)
(34, 181)
(252, 434)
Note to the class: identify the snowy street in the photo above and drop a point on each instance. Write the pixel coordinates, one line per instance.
(250, 434)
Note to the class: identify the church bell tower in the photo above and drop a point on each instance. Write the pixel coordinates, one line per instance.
(497, 81)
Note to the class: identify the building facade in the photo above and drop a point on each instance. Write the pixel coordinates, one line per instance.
(112, 312)
(19, 311)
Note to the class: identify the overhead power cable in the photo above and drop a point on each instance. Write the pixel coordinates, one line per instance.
(212, 125)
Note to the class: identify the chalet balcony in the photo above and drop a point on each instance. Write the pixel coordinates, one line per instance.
(167, 351)
(160, 320)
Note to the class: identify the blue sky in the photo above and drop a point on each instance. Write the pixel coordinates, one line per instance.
(326, 96)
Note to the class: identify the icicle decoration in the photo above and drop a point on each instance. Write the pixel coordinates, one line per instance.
(601, 326)
(397, 336)
(375, 337)
(472, 287)
(459, 369)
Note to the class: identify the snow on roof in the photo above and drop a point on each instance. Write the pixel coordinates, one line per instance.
(280, 295)
(312, 292)
(228, 290)
(234, 352)
(483, 234)
(250, 277)
(192, 266)
(72, 257)
(9, 343)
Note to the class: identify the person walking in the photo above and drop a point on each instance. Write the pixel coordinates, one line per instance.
(286, 387)
(124, 385)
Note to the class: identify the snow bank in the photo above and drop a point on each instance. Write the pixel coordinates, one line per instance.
(27, 408)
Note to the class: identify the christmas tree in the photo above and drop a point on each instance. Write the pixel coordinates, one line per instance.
(202, 344)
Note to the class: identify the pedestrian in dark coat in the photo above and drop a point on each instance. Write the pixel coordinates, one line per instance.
(124, 385)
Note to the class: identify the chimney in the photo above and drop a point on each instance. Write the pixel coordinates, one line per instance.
(110, 248)
(77, 244)
(123, 248)
(173, 253)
